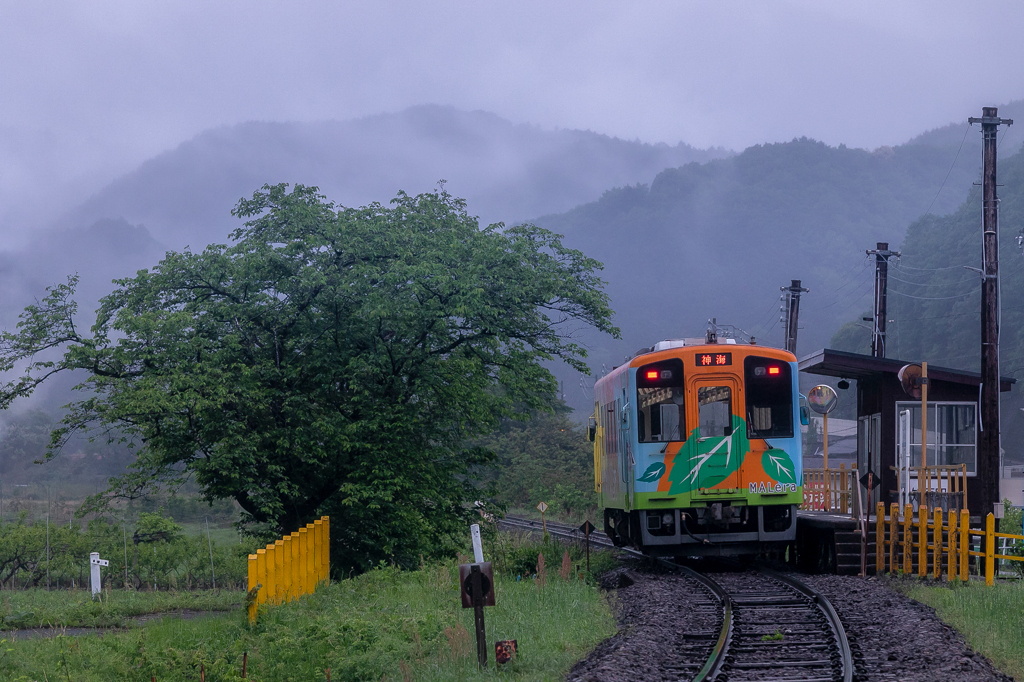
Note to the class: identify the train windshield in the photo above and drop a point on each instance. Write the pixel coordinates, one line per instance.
(660, 400)
(768, 387)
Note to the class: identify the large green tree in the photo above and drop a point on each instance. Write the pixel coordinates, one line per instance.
(331, 360)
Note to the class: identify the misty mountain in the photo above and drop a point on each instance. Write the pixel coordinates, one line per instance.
(719, 239)
(506, 172)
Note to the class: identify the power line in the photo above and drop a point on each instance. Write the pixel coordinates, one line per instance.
(938, 284)
(966, 130)
(937, 298)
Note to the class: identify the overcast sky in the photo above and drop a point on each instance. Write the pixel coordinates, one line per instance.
(90, 89)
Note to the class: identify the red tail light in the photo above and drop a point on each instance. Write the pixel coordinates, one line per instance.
(774, 370)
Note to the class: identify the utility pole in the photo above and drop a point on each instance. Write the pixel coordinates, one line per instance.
(791, 311)
(882, 254)
(988, 443)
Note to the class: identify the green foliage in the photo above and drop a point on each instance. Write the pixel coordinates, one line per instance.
(546, 457)
(515, 555)
(371, 627)
(331, 361)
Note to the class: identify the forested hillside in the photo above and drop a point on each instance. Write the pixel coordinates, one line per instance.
(935, 300)
(719, 239)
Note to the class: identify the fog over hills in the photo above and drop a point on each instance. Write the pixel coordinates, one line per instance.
(506, 172)
(686, 234)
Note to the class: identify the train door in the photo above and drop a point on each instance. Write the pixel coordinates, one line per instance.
(717, 449)
(625, 446)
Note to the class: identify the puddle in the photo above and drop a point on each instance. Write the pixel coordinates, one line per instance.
(137, 621)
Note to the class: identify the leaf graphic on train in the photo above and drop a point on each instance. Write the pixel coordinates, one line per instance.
(708, 463)
(778, 465)
(653, 472)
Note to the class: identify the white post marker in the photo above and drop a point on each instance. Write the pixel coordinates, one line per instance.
(478, 549)
(94, 572)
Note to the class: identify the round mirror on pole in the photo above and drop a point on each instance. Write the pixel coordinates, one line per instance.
(823, 399)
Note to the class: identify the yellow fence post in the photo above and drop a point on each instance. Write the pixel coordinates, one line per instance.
(271, 584)
(922, 541)
(908, 539)
(937, 544)
(879, 539)
(952, 572)
(311, 559)
(293, 559)
(326, 557)
(894, 535)
(965, 542)
(990, 550)
(280, 574)
(252, 584)
(289, 585)
(318, 527)
(261, 575)
(303, 550)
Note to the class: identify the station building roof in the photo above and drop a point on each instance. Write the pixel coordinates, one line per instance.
(846, 365)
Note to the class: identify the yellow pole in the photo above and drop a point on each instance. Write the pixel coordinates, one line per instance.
(252, 584)
(289, 583)
(311, 565)
(280, 574)
(318, 525)
(922, 541)
(990, 550)
(965, 542)
(293, 566)
(880, 538)
(894, 535)
(270, 590)
(326, 558)
(908, 539)
(825, 444)
(303, 551)
(951, 573)
(937, 544)
(261, 575)
(924, 430)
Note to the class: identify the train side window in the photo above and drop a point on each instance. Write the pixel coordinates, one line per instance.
(660, 402)
(715, 411)
(768, 387)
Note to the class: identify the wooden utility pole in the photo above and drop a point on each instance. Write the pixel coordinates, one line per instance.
(988, 442)
(882, 254)
(988, 465)
(792, 312)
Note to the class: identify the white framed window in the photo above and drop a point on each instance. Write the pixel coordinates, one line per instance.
(952, 433)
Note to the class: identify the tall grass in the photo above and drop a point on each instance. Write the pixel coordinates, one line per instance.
(115, 608)
(991, 619)
(384, 625)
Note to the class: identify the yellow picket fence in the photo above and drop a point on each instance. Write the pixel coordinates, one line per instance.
(291, 567)
(932, 539)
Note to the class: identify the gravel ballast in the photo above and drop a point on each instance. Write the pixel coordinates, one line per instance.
(662, 635)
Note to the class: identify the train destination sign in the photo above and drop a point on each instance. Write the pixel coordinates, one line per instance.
(713, 359)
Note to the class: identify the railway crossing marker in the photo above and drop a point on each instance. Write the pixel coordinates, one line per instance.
(543, 507)
(476, 585)
(94, 572)
(587, 529)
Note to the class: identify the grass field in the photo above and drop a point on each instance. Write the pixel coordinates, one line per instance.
(991, 619)
(385, 625)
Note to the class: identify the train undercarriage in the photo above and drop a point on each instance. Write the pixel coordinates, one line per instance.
(718, 529)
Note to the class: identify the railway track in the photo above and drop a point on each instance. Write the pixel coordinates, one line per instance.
(770, 626)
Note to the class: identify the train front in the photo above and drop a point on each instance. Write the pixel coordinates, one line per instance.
(697, 450)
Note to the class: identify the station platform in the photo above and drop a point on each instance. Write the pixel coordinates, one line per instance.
(829, 542)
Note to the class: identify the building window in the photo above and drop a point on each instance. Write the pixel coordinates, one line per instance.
(952, 433)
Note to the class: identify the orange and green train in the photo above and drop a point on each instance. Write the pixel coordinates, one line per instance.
(697, 449)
